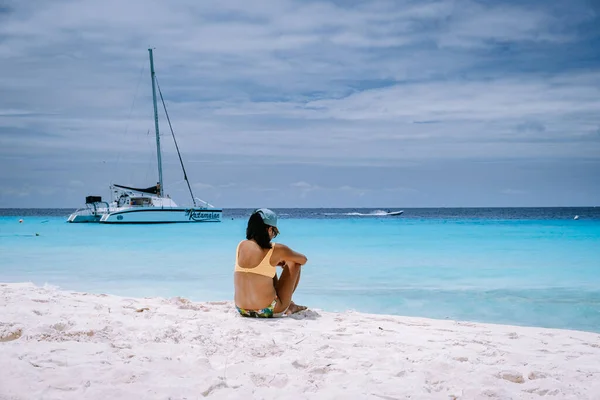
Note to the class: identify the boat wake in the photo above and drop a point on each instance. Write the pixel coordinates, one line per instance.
(375, 213)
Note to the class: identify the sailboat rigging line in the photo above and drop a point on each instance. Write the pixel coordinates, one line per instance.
(142, 69)
(174, 140)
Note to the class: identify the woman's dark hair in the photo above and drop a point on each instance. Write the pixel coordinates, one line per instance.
(258, 231)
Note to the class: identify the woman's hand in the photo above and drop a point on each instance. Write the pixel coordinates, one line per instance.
(287, 255)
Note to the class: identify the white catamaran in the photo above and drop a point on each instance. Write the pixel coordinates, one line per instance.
(149, 205)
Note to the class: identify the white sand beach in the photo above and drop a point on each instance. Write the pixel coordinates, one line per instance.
(65, 345)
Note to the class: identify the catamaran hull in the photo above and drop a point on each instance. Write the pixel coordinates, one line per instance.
(162, 216)
(79, 218)
(87, 215)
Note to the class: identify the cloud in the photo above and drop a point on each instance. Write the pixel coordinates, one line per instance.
(75, 183)
(401, 189)
(202, 186)
(513, 191)
(228, 185)
(303, 185)
(531, 126)
(22, 191)
(346, 190)
(353, 190)
(288, 82)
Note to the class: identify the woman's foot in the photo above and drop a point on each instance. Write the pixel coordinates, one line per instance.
(295, 308)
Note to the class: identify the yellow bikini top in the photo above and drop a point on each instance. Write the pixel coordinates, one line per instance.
(264, 268)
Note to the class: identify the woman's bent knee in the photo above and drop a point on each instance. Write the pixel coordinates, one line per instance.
(292, 265)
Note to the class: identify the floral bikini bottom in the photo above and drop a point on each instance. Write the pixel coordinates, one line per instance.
(266, 312)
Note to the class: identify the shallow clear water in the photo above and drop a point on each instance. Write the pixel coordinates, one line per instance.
(536, 267)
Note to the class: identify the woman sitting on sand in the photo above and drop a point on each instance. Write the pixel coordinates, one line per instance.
(258, 291)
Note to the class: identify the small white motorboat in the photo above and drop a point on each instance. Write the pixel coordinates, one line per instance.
(391, 213)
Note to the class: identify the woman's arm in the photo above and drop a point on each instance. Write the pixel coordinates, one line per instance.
(286, 254)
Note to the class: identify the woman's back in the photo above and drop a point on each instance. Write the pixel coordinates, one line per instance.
(253, 276)
(251, 258)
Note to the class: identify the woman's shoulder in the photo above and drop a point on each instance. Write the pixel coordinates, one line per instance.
(279, 247)
(247, 244)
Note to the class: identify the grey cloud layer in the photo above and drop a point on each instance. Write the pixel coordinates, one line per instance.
(322, 83)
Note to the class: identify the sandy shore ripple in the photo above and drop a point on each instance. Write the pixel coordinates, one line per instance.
(64, 345)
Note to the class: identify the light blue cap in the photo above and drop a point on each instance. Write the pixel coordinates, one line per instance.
(268, 216)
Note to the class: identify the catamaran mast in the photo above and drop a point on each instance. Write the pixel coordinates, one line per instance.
(160, 180)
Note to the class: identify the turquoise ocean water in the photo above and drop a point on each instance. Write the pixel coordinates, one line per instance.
(533, 267)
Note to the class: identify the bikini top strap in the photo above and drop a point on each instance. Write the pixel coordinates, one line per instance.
(237, 252)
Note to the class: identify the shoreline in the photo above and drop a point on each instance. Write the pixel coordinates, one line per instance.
(65, 344)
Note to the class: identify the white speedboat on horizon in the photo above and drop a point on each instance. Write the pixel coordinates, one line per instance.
(150, 205)
(392, 213)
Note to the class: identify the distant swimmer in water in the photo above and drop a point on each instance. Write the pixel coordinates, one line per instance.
(259, 292)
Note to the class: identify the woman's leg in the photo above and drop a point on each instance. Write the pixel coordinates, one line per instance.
(286, 285)
(298, 280)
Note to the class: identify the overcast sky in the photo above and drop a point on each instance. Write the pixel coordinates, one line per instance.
(303, 103)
